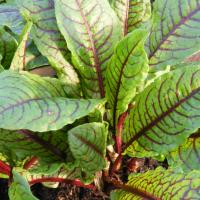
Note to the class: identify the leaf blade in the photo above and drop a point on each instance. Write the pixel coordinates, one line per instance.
(163, 120)
(92, 45)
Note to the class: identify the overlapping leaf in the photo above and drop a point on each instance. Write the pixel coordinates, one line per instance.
(188, 154)
(20, 189)
(175, 33)
(160, 184)
(8, 45)
(48, 38)
(165, 113)
(88, 146)
(91, 30)
(48, 147)
(132, 13)
(38, 104)
(10, 17)
(19, 59)
(34, 58)
(126, 71)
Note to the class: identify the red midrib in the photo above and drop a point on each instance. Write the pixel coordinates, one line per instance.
(96, 58)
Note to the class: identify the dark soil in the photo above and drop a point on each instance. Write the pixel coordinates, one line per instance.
(64, 192)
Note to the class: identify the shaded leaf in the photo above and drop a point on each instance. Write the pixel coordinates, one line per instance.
(20, 189)
(126, 71)
(188, 154)
(91, 30)
(132, 13)
(160, 184)
(165, 113)
(48, 38)
(38, 104)
(87, 143)
(19, 59)
(175, 32)
(8, 45)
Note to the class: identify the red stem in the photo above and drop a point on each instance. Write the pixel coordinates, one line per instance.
(62, 180)
(30, 162)
(116, 164)
(119, 132)
(4, 168)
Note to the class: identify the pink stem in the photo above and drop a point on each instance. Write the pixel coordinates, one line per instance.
(4, 168)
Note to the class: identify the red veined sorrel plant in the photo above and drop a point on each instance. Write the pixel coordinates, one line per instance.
(123, 80)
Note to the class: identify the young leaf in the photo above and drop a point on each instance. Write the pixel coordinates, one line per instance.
(87, 143)
(165, 113)
(132, 13)
(160, 184)
(48, 38)
(38, 104)
(91, 30)
(10, 17)
(20, 189)
(48, 147)
(126, 71)
(8, 44)
(19, 59)
(175, 32)
(188, 154)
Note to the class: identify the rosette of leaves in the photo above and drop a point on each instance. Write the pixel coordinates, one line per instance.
(121, 71)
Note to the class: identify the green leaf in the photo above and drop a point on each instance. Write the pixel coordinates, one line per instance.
(48, 146)
(48, 39)
(160, 184)
(187, 155)
(126, 71)
(19, 189)
(132, 13)
(10, 17)
(8, 45)
(165, 113)
(19, 59)
(38, 104)
(91, 30)
(87, 143)
(174, 33)
(34, 58)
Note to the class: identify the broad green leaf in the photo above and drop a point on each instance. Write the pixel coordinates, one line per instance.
(38, 104)
(48, 146)
(187, 155)
(8, 45)
(91, 30)
(19, 59)
(87, 143)
(160, 185)
(126, 71)
(174, 33)
(132, 13)
(165, 113)
(10, 17)
(48, 38)
(20, 189)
